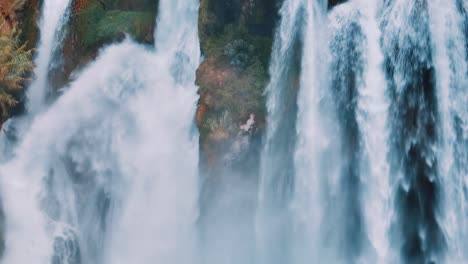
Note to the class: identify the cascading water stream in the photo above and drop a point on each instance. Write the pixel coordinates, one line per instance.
(364, 159)
(316, 173)
(382, 179)
(277, 165)
(52, 20)
(347, 45)
(166, 233)
(448, 26)
(290, 208)
(53, 17)
(371, 116)
(425, 68)
(314, 182)
(358, 87)
(98, 175)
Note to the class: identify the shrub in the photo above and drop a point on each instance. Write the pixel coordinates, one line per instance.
(15, 63)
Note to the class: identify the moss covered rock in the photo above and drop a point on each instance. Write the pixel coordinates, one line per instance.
(96, 23)
(233, 76)
(236, 41)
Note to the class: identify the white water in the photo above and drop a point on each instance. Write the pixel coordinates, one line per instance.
(158, 216)
(270, 224)
(316, 204)
(123, 131)
(111, 167)
(31, 242)
(53, 17)
(282, 51)
(372, 118)
(316, 176)
(447, 29)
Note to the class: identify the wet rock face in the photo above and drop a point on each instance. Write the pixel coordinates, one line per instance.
(236, 39)
(226, 11)
(136, 5)
(255, 13)
(258, 16)
(130, 5)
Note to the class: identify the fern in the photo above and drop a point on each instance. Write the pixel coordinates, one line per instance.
(15, 64)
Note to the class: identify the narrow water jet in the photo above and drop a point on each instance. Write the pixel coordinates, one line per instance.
(54, 16)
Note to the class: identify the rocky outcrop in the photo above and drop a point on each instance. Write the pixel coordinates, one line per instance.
(236, 39)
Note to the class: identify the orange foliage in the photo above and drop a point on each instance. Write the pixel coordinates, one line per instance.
(79, 5)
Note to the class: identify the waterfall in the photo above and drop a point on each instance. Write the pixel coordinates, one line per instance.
(372, 112)
(364, 156)
(315, 143)
(359, 83)
(99, 176)
(425, 70)
(31, 243)
(449, 25)
(277, 165)
(379, 170)
(164, 174)
(53, 18)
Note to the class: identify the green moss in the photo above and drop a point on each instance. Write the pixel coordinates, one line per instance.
(246, 58)
(214, 45)
(235, 73)
(116, 22)
(86, 23)
(97, 26)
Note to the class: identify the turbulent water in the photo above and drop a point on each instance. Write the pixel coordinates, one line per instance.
(53, 18)
(379, 172)
(89, 166)
(364, 157)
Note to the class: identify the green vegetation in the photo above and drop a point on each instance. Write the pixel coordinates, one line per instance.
(15, 63)
(97, 26)
(240, 60)
(257, 47)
